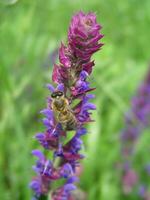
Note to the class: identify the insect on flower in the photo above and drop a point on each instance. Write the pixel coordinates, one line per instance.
(62, 111)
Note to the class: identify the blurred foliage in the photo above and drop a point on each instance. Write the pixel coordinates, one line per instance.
(30, 31)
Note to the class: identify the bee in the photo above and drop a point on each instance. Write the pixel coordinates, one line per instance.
(62, 111)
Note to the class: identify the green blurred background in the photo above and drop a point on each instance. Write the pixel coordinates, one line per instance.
(30, 34)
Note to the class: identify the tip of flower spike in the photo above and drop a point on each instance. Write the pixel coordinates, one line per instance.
(84, 37)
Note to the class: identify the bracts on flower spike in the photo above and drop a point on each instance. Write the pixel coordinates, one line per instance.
(63, 114)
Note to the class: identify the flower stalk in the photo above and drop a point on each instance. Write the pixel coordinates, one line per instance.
(68, 110)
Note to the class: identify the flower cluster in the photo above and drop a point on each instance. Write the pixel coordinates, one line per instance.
(70, 77)
(136, 121)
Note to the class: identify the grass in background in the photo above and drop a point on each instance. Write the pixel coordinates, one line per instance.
(29, 32)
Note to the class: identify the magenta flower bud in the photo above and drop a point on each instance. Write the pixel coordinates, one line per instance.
(84, 36)
(64, 57)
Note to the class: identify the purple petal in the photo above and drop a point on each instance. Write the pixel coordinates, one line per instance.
(72, 179)
(89, 106)
(47, 112)
(83, 75)
(40, 136)
(81, 131)
(38, 154)
(69, 187)
(50, 87)
(60, 87)
(67, 170)
(46, 122)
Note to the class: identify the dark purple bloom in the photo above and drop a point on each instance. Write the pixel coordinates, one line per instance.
(70, 77)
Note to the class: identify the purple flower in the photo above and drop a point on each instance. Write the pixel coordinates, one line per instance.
(64, 193)
(63, 113)
(142, 191)
(136, 120)
(47, 140)
(40, 185)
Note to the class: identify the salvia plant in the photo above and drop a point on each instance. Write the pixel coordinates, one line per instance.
(136, 121)
(67, 112)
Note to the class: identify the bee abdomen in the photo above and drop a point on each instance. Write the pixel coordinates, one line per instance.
(72, 122)
(68, 120)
